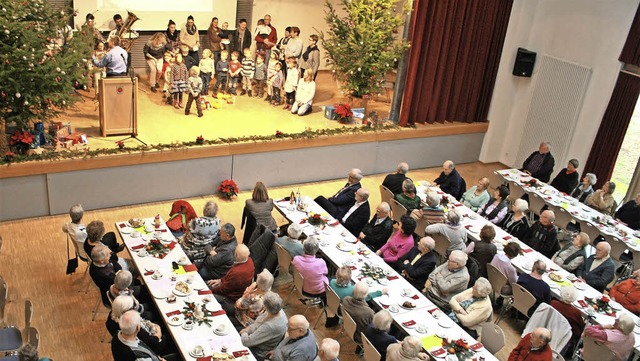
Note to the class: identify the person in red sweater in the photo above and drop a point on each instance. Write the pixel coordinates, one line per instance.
(231, 287)
(533, 346)
(627, 293)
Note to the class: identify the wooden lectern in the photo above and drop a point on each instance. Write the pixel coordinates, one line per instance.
(115, 106)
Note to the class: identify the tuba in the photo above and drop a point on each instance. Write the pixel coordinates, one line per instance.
(126, 35)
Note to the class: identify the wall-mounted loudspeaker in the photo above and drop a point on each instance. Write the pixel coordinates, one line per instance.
(525, 60)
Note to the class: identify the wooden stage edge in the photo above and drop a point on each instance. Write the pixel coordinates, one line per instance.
(108, 161)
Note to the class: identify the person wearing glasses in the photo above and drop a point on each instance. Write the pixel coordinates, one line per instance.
(299, 344)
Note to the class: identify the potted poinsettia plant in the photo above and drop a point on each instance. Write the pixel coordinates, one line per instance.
(228, 188)
(343, 113)
(22, 140)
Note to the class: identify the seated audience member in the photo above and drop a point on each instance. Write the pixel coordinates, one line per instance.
(356, 306)
(432, 212)
(126, 346)
(496, 208)
(298, 344)
(375, 233)
(343, 287)
(123, 285)
(564, 305)
(340, 203)
(629, 213)
(29, 352)
(357, 216)
(75, 229)
(602, 199)
(618, 337)
(477, 195)
(261, 206)
(314, 270)
(450, 180)
(201, 232)
(543, 235)
(419, 262)
(248, 307)
(627, 293)
(378, 332)
(484, 250)
(572, 255)
(291, 242)
(448, 279)
(503, 263)
(96, 235)
(568, 178)
(452, 230)
(183, 213)
(220, 254)
(408, 198)
(408, 350)
(400, 243)
(232, 285)
(533, 346)
(472, 307)
(329, 350)
(533, 283)
(102, 270)
(599, 269)
(394, 181)
(516, 222)
(540, 163)
(269, 328)
(150, 333)
(584, 189)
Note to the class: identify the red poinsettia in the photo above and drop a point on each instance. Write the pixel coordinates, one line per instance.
(343, 113)
(120, 144)
(8, 156)
(200, 140)
(228, 188)
(23, 137)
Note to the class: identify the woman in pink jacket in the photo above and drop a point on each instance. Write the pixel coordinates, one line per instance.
(400, 243)
(314, 270)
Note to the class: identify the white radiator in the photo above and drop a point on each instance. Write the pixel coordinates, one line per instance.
(558, 90)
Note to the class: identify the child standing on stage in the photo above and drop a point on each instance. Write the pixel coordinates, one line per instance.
(260, 76)
(262, 31)
(98, 73)
(291, 83)
(248, 70)
(178, 81)
(194, 84)
(235, 67)
(278, 80)
(187, 59)
(271, 73)
(166, 75)
(207, 67)
(222, 72)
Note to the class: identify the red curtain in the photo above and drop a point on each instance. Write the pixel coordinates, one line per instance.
(455, 51)
(631, 50)
(613, 127)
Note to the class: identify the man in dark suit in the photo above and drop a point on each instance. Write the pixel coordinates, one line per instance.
(599, 269)
(376, 233)
(416, 266)
(540, 164)
(394, 181)
(357, 216)
(240, 39)
(341, 202)
(449, 180)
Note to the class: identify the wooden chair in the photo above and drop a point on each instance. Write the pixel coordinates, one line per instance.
(497, 280)
(284, 259)
(370, 352)
(492, 337)
(350, 326)
(535, 205)
(4, 292)
(96, 308)
(522, 301)
(589, 229)
(442, 243)
(333, 303)
(421, 224)
(593, 351)
(298, 281)
(385, 194)
(397, 209)
(515, 191)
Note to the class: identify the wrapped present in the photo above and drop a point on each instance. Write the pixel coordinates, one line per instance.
(358, 113)
(76, 137)
(329, 112)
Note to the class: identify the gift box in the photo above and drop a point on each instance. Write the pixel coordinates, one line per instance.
(329, 112)
(76, 137)
(358, 113)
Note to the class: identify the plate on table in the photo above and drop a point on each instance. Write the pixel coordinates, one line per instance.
(175, 320)
(126, 230)
(438, 352)
(151, 268)
(580, 285)
(221, 330)
(615, 305)
(350, 239)
(182, 289)
(195, 354)
(445, 322)
(556, 277)
(344, 247)
(383, 281)
(213, 306)
(161, 294)
(408, 304)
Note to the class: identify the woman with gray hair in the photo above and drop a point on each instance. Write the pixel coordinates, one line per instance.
(582, 191)
(150, 333)
(313, 270)
(568, 296)
(201, 232)
(408, 197)
(618, 337)
(452, 230)
(75, 229)
(602, 199)
(269, 328)
(568, 178)
(378, 332)
(473, 307)
(407, 350)
(292, 242)
(516, 222)
(250, 305)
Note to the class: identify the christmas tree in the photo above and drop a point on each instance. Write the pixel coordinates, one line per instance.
(41, 62)
(365, 44)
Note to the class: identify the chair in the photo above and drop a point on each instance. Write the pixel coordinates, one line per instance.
(284, 258)
(515, 191)
(492, 337)
(548, 317)
(617, 250)
(349, 326)
(4, 292)
(497, 280)
(535, 205)
(96, 308)
(370, 352)
(385, 194)
(522, 301)
(593, 351)
(556, 356)
(589, 229)
(10, 339)
(563, 218)
(298, 281)
(0, 245)
(495, 180)
(421, 224)
(442, 244)
(333, 303)
(397, 210)
(28, 313)
(82, 255)
(33, 337)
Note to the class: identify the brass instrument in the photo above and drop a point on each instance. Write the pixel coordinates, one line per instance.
(126, 35)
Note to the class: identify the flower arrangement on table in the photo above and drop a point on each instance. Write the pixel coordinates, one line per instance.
(343, 113)
(600, 305)
(533, 183)
(374, 272)
(196, 313)
(157, 248)
(458, 347)
(315, 219)
(228, 188)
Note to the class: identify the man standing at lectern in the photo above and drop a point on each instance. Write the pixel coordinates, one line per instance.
(115, 59)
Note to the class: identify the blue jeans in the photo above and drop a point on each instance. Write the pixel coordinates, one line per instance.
(301, 109)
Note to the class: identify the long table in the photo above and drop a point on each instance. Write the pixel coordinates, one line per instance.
(342, 248)
(201, 335)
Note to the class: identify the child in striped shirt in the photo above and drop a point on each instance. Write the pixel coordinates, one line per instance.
(248, 69)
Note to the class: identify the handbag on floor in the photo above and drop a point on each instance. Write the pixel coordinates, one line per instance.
(72, 263)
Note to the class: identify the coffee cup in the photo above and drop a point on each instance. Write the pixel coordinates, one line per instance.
(183, 260)
(198, 350)
(406, 292)
(171, 298)
(189, 279)
(393, 308)
(188, 325)
(149, 228)
(157, 274)
(135, 234)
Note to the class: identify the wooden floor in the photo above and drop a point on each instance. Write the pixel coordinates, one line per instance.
(33, 262)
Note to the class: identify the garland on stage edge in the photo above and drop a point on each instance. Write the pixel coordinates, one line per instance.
(308, 133)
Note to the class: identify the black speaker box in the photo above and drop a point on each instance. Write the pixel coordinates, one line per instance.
(525, 60)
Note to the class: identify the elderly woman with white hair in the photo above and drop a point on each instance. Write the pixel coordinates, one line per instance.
(564, 305)
(408, 198)
(269, 328)
(472, 307)
(452, 230)
(618, 337)
(602, 199)
(448, 279)
(583, 190)
(477, 196)
(201, 232)
(516, 222)
(292, 242)
(378, 332)
(248, 307)
(572, 255)
(314, 270)
(75, 229)
(150, 333)
(407, 350)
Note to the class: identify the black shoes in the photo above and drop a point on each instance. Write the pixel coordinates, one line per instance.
(332, 321)
(120, 248)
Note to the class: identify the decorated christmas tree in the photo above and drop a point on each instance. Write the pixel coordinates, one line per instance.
(363, 42)
(42, 61)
